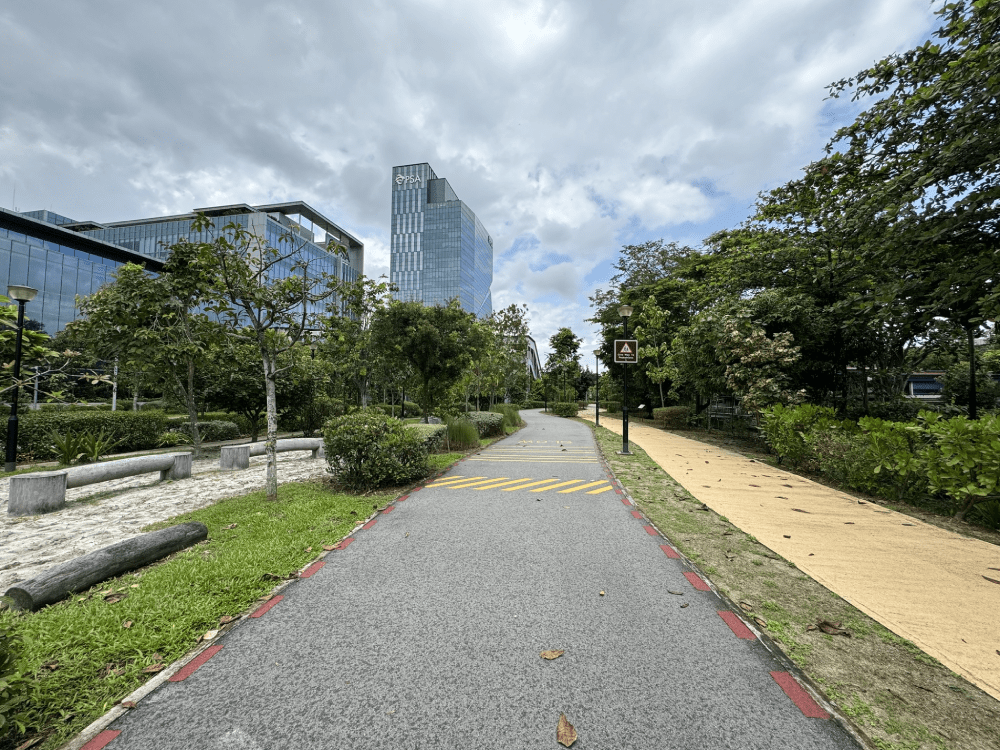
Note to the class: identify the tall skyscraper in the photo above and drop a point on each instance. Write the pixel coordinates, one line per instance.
(439, 249)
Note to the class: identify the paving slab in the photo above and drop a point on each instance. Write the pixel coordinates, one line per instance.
(426, 632)
(923, 583)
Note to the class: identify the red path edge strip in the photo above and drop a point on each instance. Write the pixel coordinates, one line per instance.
(262, 609)
(370, 524)
(636, 514)
(736, 625)
(670, 551)
(401, 499)
(651, 530)
(695, 580)
(799, 697)
(102, 739)
(196, 662)
(625, 501)
(387, 510)
(346, 543)
(312, 569)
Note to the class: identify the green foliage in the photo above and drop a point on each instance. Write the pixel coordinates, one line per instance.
(367, 450)
(212, 431)
(488, 423)
(989, 513)
(132, 430)
(68, 448)
(462, 433)
(14, 687)
(431, 435)
(785, 429)
(172, 439)
(611, 406)
(511, 416)
(956, 386)
(845, 455)
(672, 417)
(564, 408)
(97, 446)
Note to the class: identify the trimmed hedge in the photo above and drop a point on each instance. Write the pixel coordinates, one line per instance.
(367, 449)
(672, 417)
(211, 431)
(565, 408)
(431, 435)
(134, 431)
(487, 422)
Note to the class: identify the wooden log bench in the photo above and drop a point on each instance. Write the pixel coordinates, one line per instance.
(237, 457)
(45, 491)
(83, 572)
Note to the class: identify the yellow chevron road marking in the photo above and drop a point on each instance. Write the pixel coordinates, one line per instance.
(473, 484)
(529, 484)
(583, 487)
(603, 489)
(538, 460)
(451, 480)
(500, 484)
(553, 486)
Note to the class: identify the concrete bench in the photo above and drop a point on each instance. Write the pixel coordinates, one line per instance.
(45, 491)
(237, 457)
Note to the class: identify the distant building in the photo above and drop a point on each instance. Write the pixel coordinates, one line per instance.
(104, 246)
(533, 362)
(439, 250)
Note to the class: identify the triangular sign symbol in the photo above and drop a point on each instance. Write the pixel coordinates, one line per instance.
(625, 349)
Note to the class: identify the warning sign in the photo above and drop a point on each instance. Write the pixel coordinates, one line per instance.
(626, 351)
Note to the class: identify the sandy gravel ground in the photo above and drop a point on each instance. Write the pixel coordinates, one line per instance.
(30, 544)
(921, 582)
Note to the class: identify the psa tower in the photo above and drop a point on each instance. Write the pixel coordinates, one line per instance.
(439, 249)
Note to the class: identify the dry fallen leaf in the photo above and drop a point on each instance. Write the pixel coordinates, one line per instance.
(31, 742)
(157, 657)
(209, 635)
(134, 586)
(53, 665)
(799, 510)
(309, 549)
(684, 605)
(550, 655)
(227, 619)
(675, 593)
(991, 580)
(565, 732)
(831, 628)
(746, 606)
(761, 622)
(786, 536)
(230, 526)
(154, 668)
(127, 704)
(329, 547)
(601, 593)
(114, 598)
(127, 624)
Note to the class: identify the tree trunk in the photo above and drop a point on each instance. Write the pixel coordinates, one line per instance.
(191, 407)
(663, 401)
(425, 406)
(973, 405)
(271, 443)
(83, 572)
(864, 386)
(135, 392)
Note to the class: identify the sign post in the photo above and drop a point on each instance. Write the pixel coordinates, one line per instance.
(626, 353)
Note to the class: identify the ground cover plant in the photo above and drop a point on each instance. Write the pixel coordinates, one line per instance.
(896, 694)
(85, 654)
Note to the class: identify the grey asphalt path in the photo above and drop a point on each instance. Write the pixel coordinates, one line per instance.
(426, 631)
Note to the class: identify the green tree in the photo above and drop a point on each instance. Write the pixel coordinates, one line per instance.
(437, 342)
(268, 292)
(654, 345)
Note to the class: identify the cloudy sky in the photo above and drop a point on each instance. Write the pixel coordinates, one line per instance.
(570, 128)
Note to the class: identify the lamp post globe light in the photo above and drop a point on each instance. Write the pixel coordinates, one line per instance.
(626, 312)
(597, 387)
(23, 295)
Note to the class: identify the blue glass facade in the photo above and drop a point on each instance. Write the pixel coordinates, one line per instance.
(59, 263)
(439, 249)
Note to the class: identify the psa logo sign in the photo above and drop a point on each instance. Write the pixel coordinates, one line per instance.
(401, 179)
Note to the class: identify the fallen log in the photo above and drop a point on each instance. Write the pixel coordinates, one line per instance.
(83, 572)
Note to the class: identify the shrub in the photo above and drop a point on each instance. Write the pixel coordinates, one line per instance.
(785, 428)
(511, 416)
(988, 514)
(611, 406)
(248, 426)
(211, 431)
(172, 439)
(132, 430)
(564, 408)
(488, 423)
(431, 435)
(672, 417)
(462, 433)
(845, 455)
(367, 450)
(898, 410)
(13, 687)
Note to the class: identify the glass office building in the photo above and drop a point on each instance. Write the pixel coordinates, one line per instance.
(97, 249)
(37, 251)
(439, 250)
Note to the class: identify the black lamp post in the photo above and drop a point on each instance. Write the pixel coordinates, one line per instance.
(625, 311)
(597, 387)
(22, 294)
